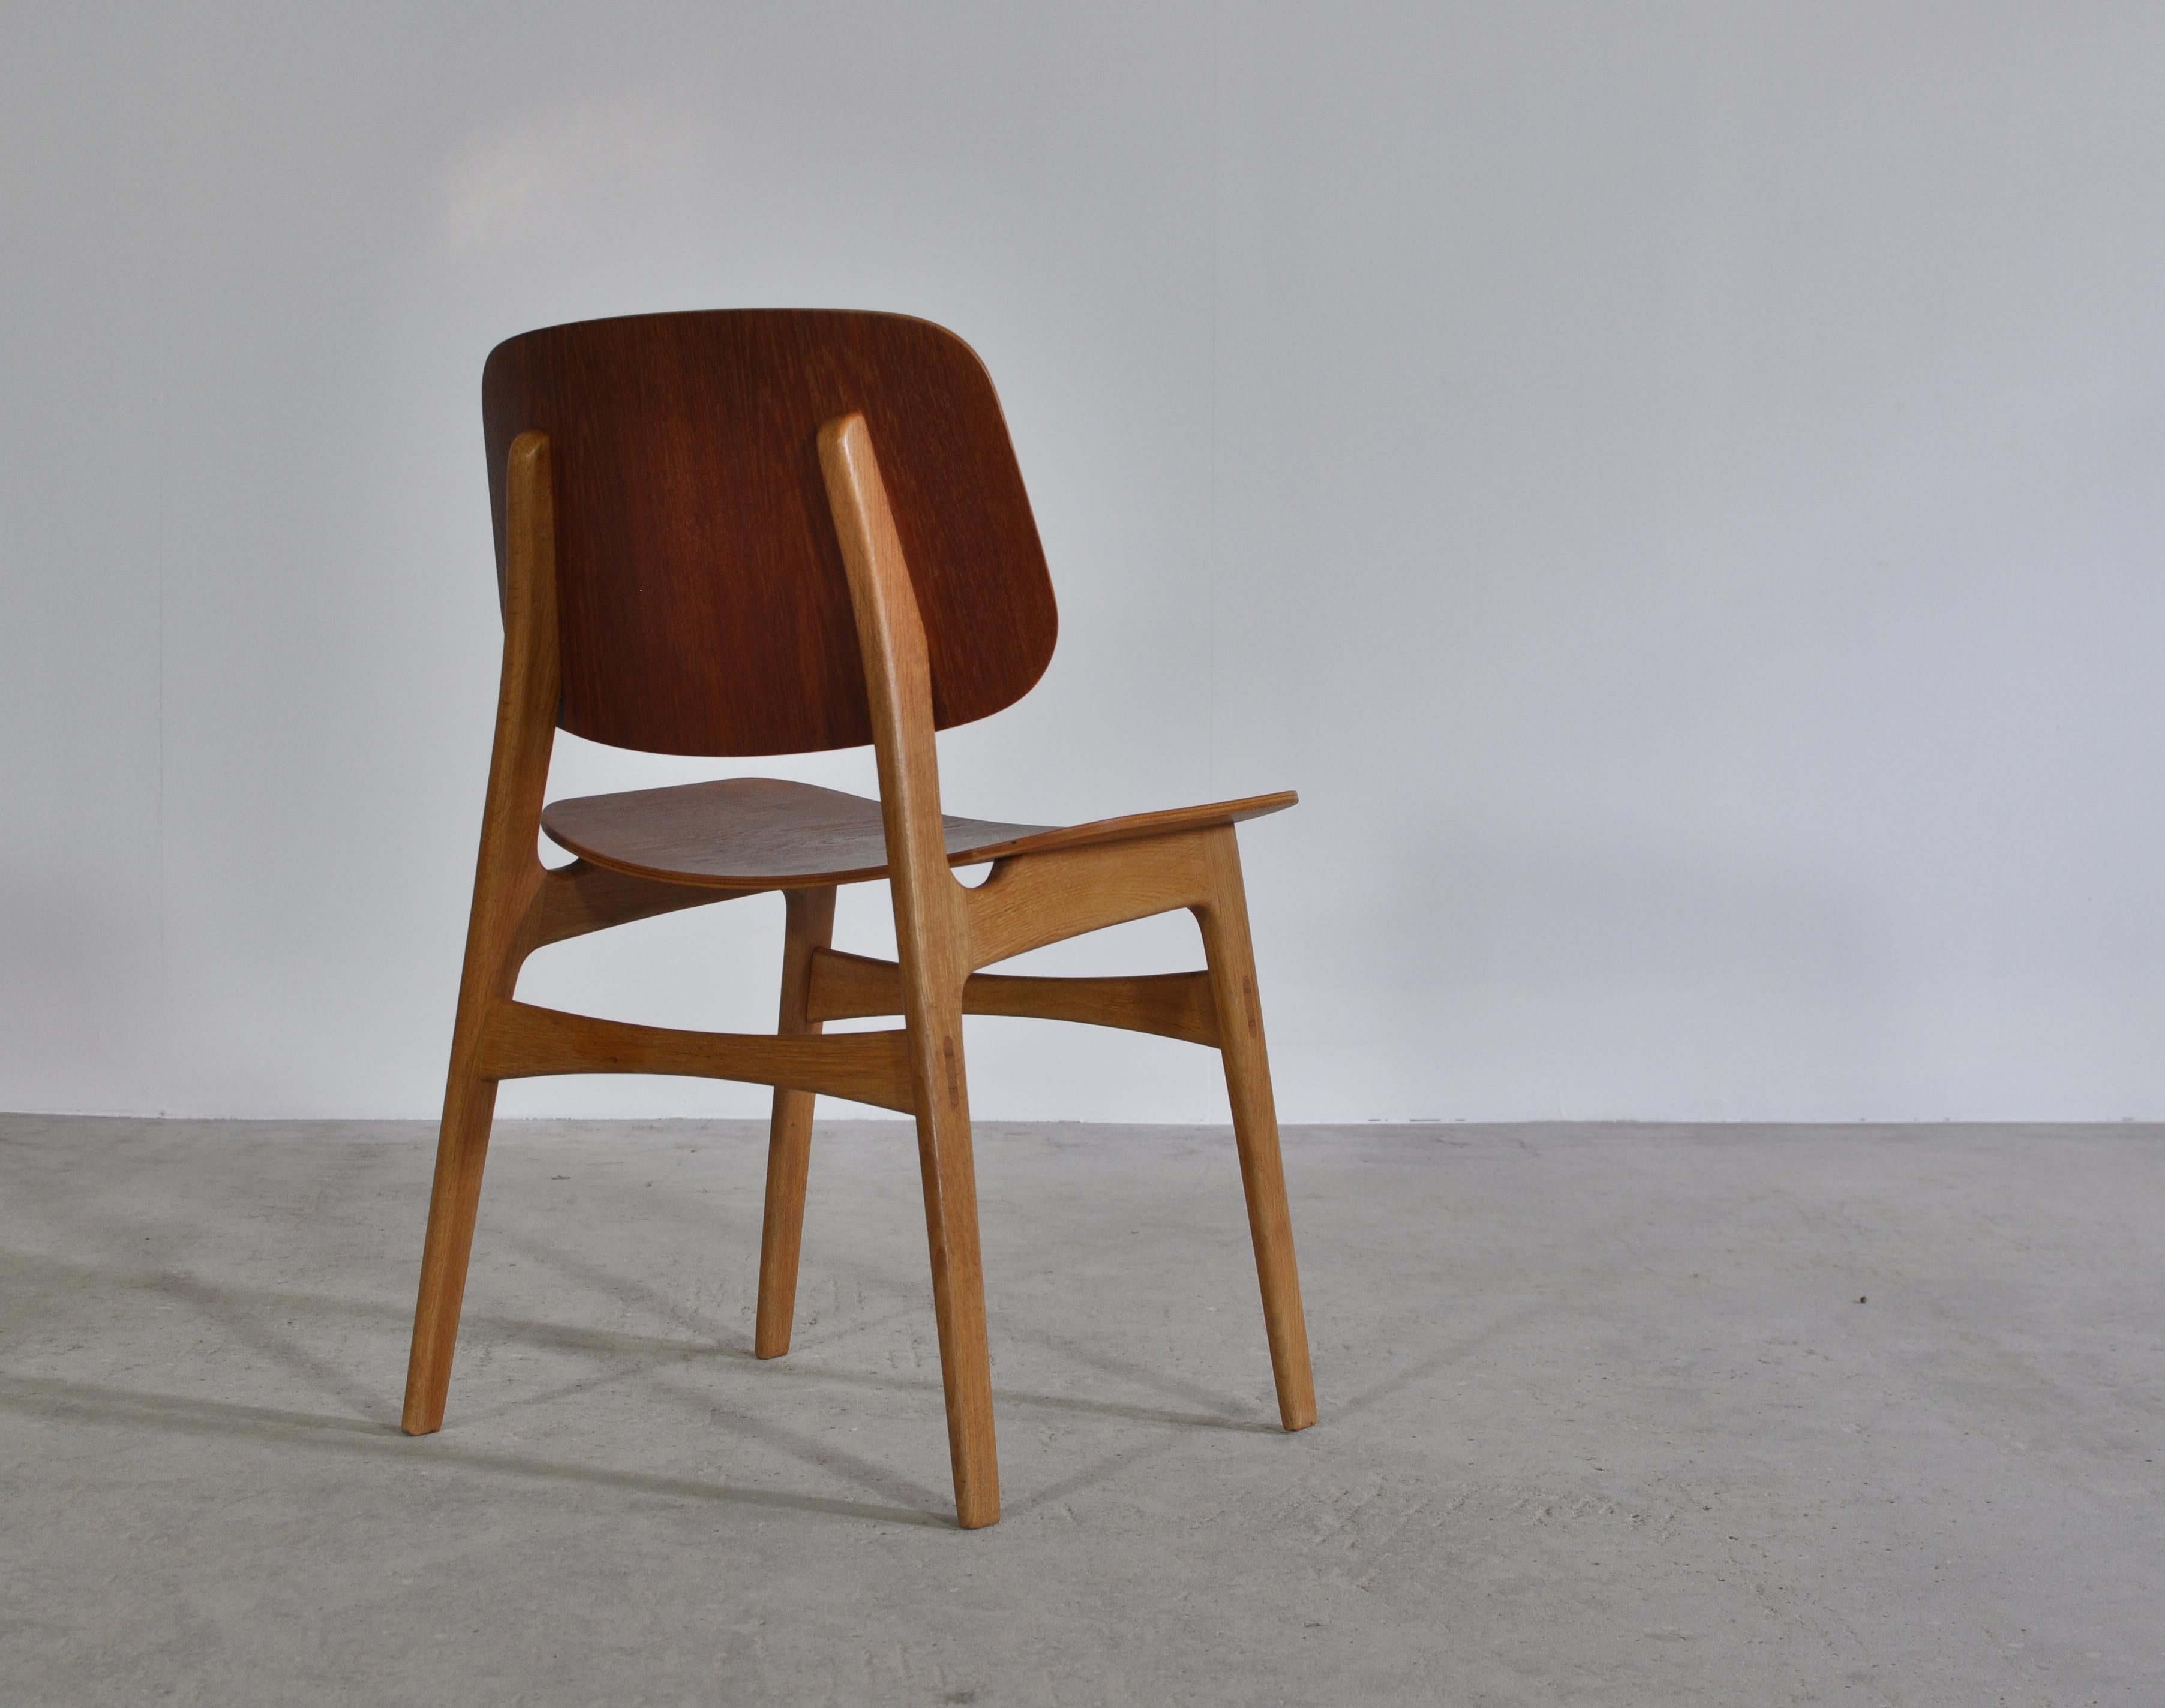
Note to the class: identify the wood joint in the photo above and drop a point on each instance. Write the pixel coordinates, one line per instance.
(1032, 900)
(579, 898)
(1170, 1004)
(525, 1042)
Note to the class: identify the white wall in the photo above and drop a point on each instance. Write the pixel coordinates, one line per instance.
(1678, 487)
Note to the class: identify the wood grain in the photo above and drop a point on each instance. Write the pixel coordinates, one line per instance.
(508, 876)
(1171, 1005)
(757, 833)
(703, 604)
(810, 928)
(932, 939)
(1224, 918)
(582, 897)
(710, 556)
(1037, 899)
(523, 1041)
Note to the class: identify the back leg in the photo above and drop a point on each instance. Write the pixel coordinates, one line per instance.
(495, 947)
(508, 876)
(454, 1202)
(811, 925)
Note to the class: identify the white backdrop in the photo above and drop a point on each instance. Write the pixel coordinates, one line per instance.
(1679, 488)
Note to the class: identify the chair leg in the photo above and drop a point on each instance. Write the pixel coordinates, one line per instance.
(811, 925)
(958, 1276)
(495, 946)
(461, 1148)
(501, 928)
(1231, 956)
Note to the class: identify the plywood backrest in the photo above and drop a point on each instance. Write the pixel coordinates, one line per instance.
(702, 603)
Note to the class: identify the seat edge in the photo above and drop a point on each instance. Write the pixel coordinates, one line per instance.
(1130, 828)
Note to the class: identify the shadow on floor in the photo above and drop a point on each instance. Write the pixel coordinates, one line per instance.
(82, 1401)
(263, 1319)
(241, 1309)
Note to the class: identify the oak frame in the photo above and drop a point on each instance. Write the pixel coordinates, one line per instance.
(944, 933)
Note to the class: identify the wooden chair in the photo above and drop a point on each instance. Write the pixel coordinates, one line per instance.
(788, 531)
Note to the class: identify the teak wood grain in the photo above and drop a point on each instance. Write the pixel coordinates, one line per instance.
(770, 532)
(703, 605)
(758, 833)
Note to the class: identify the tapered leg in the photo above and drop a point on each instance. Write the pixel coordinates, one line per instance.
(461, 1148)
(958, 1276)
(501, 929)
(494, 950)
(1226, 943)
(932, 943)
(811, 925)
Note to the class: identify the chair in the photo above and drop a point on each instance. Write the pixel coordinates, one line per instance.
(790, 531)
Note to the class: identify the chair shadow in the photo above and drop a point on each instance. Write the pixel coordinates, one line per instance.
(247, 1312)
(616, 1286)
(230, 1306)
(50, 1397)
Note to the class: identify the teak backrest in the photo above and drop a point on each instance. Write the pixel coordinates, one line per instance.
(703, 607)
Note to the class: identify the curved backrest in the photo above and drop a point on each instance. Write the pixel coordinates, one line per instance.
(702, 606)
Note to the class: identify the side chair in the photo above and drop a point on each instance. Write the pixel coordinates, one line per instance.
(768, 532)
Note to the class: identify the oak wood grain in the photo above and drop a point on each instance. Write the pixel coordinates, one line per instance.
(1032, 900)
(508, 876)
(932, 941)
(1224, 917)
(523, 1041)
(710, 556)
(1171, 1005)
(809, 929)
(582, 897)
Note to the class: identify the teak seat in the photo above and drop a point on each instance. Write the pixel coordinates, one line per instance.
(787, 531)
(755, 832)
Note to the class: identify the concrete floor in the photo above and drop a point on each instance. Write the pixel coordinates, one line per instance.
(1607, 1418)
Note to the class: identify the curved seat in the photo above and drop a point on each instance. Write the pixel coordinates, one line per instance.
(761, 833)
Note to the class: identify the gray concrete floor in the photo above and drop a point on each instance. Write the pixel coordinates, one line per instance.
(1610, 1415)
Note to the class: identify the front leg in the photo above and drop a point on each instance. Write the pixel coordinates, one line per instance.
(1232, 958)
(958, 1277)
